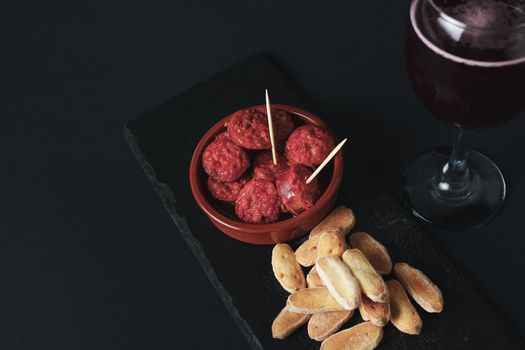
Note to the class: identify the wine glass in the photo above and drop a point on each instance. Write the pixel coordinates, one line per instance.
(466, 62)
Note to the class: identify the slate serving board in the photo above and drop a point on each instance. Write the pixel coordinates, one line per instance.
(163, 140)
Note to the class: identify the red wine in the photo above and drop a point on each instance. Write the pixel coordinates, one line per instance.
(467, 63)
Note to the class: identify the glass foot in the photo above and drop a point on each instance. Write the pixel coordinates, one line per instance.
(433, 201)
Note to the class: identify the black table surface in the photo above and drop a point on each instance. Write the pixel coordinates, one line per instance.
(89, 258)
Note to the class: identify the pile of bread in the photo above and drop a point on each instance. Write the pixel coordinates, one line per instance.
(344, 279)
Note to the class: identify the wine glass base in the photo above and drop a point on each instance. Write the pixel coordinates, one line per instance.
(471, 209)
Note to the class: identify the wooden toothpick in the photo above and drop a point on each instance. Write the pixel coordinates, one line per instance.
(327, 159)
(270, 127)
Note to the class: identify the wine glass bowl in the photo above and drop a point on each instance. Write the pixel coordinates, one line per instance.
(465, 74)
(466, 62)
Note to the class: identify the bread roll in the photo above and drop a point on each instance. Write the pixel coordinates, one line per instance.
(287, 322)
(376, 313)
(286, 269)
(323, 325)
(419, 287)
(337, 277)
(364, 336)
(370, 281)
(374, 251)
(313, 280)
(403, 315)
(312, 301)
(306, 254)
(331, 243)
(341, 219)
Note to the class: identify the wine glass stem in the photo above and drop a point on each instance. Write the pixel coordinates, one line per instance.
(458, 157)
(454, 179)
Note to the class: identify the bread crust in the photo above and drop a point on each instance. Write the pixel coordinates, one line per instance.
(287, 322)
(286, 269)
(312, 301)
(375, 252)
(420, 287)
(370, 281)
(341, 219)
(337, 277)
(403, 315)
(364, 336)
(376, 313)
(321, 326)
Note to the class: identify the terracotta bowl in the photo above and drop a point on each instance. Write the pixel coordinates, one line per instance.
(287, 228)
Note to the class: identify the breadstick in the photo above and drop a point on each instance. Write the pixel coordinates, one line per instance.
(403, 315)
(321, 326)
(286, 269)
(331, 243)
(419, 287)
(306, 254)
(287, 322)
(312, 301)
(340, 219)
(370, 281)
(376, 313)
(364, 336)
(313, 280)
(337, 277)
(374, 251)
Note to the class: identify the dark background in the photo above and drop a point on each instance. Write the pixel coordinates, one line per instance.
(89, 258)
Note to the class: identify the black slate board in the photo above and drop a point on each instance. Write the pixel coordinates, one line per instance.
(163, 140)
